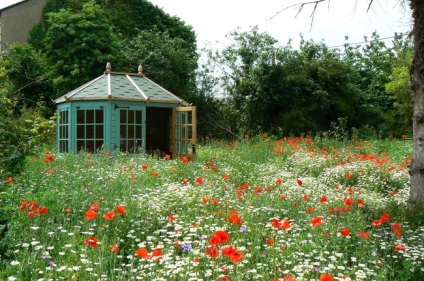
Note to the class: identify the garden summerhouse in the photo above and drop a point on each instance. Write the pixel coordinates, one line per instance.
(125, 112)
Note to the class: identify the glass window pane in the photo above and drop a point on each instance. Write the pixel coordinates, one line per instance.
(138, 117)
(99, 132)
(123, 116)
(89, 133)
(123, 131)
(189, 132)
(131, 132)
(99, 145)
(99, 116)
(89, 146)
(80, 132)
(89, 116)
(138, 132)
(189, 117)
(131, 116)
(80, 116)
(80, 145)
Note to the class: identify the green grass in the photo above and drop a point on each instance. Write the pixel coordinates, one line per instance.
(238, 187)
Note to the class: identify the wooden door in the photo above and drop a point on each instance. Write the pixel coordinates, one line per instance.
(184, 132)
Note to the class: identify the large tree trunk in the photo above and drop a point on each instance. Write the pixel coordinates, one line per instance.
(417, 87)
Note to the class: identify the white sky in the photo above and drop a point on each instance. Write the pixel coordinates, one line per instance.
(212, 20)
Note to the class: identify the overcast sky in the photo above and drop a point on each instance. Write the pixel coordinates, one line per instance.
(212, 20)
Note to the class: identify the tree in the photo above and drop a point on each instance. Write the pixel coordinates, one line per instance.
(280, 90)
(26, 69)
(77, 46)
(417, 87)
(165, 60)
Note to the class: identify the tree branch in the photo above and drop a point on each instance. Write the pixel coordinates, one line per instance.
(315, 3)
(300, 7)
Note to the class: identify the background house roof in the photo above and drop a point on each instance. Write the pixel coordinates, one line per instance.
(8, 3)
(121, 86)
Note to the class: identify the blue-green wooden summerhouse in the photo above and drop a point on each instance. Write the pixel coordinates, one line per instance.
(125, 112)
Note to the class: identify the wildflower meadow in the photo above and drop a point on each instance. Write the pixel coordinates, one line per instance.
(256, 209)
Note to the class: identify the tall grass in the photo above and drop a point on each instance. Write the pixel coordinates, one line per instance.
(293, 209)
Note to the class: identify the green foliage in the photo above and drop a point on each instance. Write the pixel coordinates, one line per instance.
(165, 60)
(26, 69)
(11, 154)
(281, 90)
(35, 132)
(77, 46)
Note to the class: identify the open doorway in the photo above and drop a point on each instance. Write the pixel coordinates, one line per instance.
(158, 131)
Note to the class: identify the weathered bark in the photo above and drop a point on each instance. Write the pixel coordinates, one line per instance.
(417, 87)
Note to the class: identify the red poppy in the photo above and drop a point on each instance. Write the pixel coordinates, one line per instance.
(9, 179)
(31, 214)
(345, 232)
(94, 207)
(284, 224)
(142, 253)
(396, 226)
(144, 166)
(399, 248)
(236, 256)
(299, 182)
(326, 277)
(215, 201)
(310, 210)
(270, 241)
(171, 217)
(226, 177)
(360, 203)
(109, 216)
(205, 200)
(90, 214)
(376, 223)
(215, 240)
(23, 205)
(212, 252)
(224, 278)
(348, 175)
(348, 201)
(42, 210)
(278, 181)
(92, 242)
(199, 180)
(154, 174)
(385, 217)
(157, 253)
(184, 159)
(114, 248)
(121, 209)
(316, 221)
(363, 234)
(288, 278)
(233, 217)
(222, 235)
(228, 250)
(323, 199)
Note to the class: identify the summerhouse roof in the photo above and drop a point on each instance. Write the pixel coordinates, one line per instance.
(122, 86)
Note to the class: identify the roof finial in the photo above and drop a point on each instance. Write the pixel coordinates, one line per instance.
(140, 70)
(108, 68)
